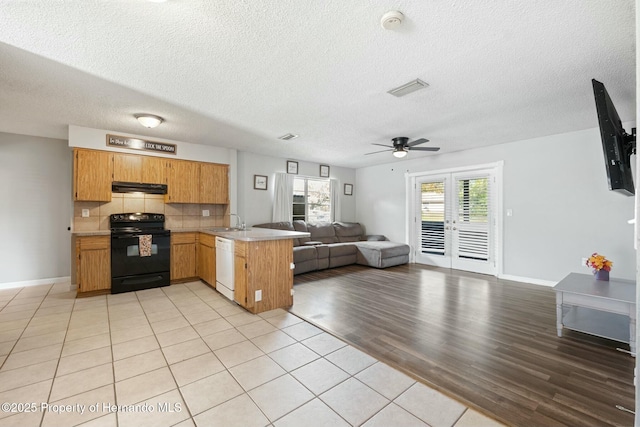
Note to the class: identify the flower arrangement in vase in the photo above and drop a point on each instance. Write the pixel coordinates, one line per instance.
(601, 266)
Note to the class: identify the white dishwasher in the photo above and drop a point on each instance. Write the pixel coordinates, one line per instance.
(224, 267)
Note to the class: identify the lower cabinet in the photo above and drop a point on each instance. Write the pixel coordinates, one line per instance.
(207, 258)
(184, 256)
(93, 263)
(263, 274)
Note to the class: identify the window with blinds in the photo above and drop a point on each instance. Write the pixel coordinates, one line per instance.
(473, 217)
(433, 213)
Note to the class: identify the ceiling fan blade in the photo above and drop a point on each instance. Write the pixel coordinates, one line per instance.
(381, 151)
(383, 145)
(417, 142)
(424, 148)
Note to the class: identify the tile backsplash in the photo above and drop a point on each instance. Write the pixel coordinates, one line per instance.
(178, 216)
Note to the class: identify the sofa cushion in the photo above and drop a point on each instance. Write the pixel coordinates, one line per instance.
(348, 231)
(386, 248)
(382, 254)
(322, 232)
(301, 226)
(304, 253)
(341, 249)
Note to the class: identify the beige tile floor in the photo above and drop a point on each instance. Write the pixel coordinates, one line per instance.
(185, 356)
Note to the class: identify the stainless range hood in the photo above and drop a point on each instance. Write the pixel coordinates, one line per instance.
(134, 187)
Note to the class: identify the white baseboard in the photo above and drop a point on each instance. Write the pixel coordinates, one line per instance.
(26, 283)
(549, 283)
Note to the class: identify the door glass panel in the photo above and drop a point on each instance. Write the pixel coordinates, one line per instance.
(432, 212)
(473, 218)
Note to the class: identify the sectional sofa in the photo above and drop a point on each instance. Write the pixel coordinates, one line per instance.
(340, 243)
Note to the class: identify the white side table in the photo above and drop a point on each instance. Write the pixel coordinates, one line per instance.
(602, 308)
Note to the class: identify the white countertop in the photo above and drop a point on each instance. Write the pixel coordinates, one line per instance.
(257, 234)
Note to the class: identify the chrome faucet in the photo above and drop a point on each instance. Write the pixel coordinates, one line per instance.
(239, 224)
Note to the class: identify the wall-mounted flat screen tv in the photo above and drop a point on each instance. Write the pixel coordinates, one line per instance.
(617, 144)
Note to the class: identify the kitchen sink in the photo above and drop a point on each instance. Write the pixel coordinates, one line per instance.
(226, 229)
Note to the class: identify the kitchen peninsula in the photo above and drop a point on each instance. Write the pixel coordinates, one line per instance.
(262, 263)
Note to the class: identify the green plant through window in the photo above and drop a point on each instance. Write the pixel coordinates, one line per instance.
(473, 199)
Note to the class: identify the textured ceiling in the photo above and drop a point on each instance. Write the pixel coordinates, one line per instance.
(240, 73)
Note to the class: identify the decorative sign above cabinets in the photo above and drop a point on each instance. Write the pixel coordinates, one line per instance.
(140, 144)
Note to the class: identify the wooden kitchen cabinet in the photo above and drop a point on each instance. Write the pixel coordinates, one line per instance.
(183, 180)
(214, 183)
(183, 256)
(154, 170)
(127, 167)
(93, 263)
(263, 266)
(136, 168)
(92, 175)
(207, 258)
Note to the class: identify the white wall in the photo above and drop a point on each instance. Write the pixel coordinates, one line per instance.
(255, 206)
(36, 208)
(556, 187)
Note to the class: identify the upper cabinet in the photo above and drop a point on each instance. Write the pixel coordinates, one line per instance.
(127, 167)
(92, 175)
(154, 170)
(183, 179)
(214, 183)
(136, 168)
(187, 181)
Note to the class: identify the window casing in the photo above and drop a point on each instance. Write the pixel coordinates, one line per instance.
(311, 199)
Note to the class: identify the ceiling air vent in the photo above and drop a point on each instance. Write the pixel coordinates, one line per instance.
(287, 137)
(407, 88)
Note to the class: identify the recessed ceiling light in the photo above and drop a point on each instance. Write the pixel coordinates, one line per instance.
(149, 120)
(407, 88)
(288, 136)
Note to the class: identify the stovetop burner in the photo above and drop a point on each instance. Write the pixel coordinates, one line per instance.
(136, 222)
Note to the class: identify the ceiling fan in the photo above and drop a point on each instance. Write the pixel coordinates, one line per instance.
(401, 146)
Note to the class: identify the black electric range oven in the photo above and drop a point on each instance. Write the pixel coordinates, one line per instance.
(140, 252)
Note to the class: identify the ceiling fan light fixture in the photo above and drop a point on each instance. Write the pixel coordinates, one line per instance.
(399, 153)
(149, 120)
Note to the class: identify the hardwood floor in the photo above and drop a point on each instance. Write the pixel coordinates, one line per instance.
(489, 343)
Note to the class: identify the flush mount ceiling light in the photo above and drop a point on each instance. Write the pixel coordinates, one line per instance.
(149, 120)
(391, 20)
(399, 152)
(407, 88)
(288, 136)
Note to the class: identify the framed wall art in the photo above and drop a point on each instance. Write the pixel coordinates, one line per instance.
(292, 167)
(260, 182)
(324, 171)
(348, 189)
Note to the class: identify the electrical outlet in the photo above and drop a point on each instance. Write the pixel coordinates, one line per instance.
(85, 213)
(583, 262)
(259, 295)
(205, 212)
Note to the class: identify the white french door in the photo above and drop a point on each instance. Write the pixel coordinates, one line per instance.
(455, 220)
